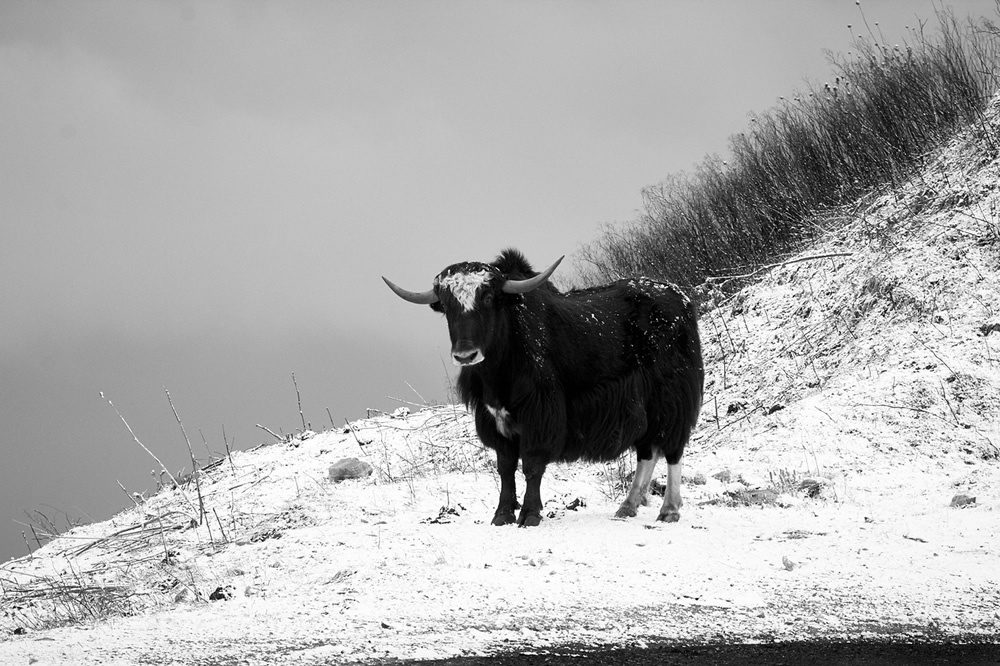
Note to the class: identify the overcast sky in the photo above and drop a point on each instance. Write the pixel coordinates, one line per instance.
(201, 196)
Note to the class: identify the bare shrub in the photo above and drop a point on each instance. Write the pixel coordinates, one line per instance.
(816, 151)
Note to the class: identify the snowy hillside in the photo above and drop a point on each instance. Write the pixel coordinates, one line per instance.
(852, 393)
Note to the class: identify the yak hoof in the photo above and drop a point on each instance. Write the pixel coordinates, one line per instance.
(626, 510)
(504, 518)
(529, 519)
(669, 517)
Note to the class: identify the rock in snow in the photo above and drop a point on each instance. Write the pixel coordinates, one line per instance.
(349, 468)
(962, 500)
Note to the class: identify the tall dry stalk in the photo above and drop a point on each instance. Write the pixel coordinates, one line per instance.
(151, 454)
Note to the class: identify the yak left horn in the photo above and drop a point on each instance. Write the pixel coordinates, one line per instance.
(418, 297)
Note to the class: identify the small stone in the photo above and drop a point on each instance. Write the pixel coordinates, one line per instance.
(725, 476)
(349, 468)
(813, 486)
(223, 593)
(445, 515)
(657, 487)
(990, 327)
(962, 500)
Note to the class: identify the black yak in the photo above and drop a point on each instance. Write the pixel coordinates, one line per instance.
(587, 374)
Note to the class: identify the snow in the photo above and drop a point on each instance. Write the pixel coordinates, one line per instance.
(875, 375)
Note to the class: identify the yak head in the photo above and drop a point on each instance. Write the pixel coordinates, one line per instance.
(473, 296)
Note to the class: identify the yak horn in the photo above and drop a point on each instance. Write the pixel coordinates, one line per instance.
(529, 284)
(418, 297)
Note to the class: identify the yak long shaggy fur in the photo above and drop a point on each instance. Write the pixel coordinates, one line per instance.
(592, 372)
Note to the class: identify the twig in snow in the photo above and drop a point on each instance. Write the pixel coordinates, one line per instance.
(360, 444)
(130, 495)
(153, 455)
(271, 433)
(726, 279)
(205, 442)
(194, 465)
(925, 346)
(944, 394)
(298, 397)
(422, 400)
(405, 402)
(912, 409)
(218, 520)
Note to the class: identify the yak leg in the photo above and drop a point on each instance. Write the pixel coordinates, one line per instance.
(670, 512)
(506, 466)
(640, 486)
(531, 512)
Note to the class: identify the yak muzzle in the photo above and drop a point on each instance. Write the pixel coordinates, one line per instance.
(466, 356)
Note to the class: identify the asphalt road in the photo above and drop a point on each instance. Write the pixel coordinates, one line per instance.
(773, 654)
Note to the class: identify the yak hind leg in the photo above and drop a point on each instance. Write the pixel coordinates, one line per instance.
(533, 468)
(670, 511)
(638, 493)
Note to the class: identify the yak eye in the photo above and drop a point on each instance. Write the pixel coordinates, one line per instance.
(488, 299)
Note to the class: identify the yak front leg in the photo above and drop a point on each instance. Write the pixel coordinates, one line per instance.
(506, 466)
(531, 512)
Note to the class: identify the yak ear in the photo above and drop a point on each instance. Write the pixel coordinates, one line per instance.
(437, 307)
(504, 299)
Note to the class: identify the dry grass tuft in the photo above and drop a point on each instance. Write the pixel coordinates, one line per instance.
(442, 442)
(790, 175)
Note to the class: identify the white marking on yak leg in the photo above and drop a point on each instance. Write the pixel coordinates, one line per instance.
(670, 512)
(647, 478)
(640, 485)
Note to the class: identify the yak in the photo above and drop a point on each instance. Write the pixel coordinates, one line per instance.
(557, 377)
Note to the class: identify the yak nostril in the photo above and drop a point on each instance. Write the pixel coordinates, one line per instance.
(466, 358)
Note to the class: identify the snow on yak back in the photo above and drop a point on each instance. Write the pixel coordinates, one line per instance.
(556, 377)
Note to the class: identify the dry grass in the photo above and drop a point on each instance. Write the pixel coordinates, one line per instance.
(147, 560)
(789, 175)
(443, 442)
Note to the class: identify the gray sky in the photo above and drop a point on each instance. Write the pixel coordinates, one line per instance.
(201, 196)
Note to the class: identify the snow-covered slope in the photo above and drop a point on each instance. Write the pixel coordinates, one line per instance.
(850, 398)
